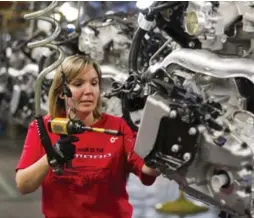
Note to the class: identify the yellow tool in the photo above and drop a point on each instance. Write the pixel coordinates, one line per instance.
(181, 207)
(65, 126)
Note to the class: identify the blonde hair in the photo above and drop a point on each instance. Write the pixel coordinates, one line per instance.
(71, 67)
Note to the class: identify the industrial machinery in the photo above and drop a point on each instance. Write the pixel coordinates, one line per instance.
(197, 123)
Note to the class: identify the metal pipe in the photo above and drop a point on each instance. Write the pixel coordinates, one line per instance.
(40, 15)
(49, 39)
(211, 64)
(37, 14)
(43, 74)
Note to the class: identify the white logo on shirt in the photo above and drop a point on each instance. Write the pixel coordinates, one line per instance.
(93, 156)
(113, 139)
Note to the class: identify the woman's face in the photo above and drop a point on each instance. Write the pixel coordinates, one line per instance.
(85, 91)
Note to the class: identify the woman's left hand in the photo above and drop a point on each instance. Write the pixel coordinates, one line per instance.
(150, 171)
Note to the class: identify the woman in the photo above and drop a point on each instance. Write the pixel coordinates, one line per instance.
(95, 186)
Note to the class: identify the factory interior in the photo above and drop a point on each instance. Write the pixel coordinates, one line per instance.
(185, 65)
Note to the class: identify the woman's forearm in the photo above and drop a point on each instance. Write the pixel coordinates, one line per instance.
(30, 178)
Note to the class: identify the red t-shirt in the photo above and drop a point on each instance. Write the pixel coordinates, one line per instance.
(96, 185)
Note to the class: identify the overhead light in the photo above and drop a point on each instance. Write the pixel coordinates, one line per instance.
(69, 12)
(144, 4)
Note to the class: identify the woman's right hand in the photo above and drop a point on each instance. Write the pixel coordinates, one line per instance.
(30, 178)
(65, 149)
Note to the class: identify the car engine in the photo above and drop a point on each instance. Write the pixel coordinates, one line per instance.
(197, 124)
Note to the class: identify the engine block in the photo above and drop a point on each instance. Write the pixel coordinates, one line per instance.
(213, 165)
(199, 132)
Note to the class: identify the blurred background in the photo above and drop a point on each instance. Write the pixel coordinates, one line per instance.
(103, 30)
